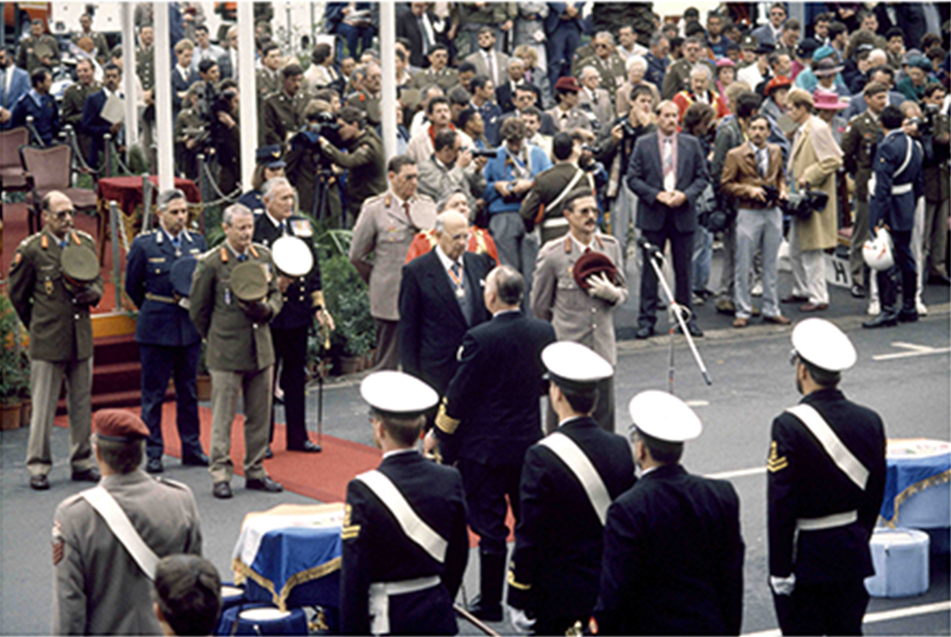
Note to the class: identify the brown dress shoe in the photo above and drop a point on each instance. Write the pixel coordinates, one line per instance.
(740, 322)
(777, 320)
(814, 307)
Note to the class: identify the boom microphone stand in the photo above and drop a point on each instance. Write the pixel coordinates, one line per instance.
(675, 313)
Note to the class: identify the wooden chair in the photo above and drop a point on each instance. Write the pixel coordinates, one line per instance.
(49, 169)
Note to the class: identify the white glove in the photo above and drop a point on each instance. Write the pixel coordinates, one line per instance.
(520, 621)
(603, 289)
(783, 585)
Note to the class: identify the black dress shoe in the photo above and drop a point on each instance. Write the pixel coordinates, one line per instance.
(486, 612)
(221, 490)
(884, 319)
(792, 298)
(693, 328)
(39, 482)
(907, 317)
(198, 459)
(89, 475)
(154, 465)
(307, 447)
(644, 332)
(263, 484)
(939, 279)
(858, 291)
(268, 454)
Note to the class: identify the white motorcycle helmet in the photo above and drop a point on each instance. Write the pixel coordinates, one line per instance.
(877, 252)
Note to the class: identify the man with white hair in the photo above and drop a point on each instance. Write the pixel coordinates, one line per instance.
(627, 43)
(700, 92)
(636, 76)
(595, 101)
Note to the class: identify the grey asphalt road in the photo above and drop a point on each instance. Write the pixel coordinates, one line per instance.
(752, 383)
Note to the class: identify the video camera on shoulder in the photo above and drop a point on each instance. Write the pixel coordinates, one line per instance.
(802, 204)
(324, 124)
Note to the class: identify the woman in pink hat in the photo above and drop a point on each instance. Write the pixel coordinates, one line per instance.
(828, 106)
(726, 74)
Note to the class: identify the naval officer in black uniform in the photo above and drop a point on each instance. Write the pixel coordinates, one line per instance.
(405, 543)
(673, 553)
(899, 182)
(568, 481)
(826, 479)
(303, 297)
(488, 420)
(168, 342)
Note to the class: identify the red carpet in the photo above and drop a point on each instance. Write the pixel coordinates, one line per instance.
(322, 476)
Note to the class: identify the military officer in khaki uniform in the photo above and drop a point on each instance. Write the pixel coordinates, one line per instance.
(437, 73)
(581, 315)
(231, 306)
(385, 228)
(607, 62)
(145, 58)
(55, 309)
(268, 79)
(283, 111)
(368, 99)
(72, 107)
(39, 49)
(545, 203)
(99, 589)
(98, 40)
(858, 150)
(677, 77)
(566, 115)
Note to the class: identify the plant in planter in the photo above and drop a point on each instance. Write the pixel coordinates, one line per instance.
(14, 364)
(348, 301)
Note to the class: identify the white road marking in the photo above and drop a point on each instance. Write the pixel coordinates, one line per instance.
(916, 350)
(726, 475)
(881, 616)
(697, 403)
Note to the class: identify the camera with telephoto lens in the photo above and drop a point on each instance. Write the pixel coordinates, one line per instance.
(803, 204)
(772, 195)
(483, 152)
(324, 124)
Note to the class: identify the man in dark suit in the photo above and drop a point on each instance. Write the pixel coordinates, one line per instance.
(899, 182)
(569, 480)
(93, 124)
(823, 500)
(419, 27)
(440, 299)
(14, 83)
(183, 76)
(505, 92)
(673, 553)
(489, 418)
(405, 544)
(168, 342)
(667, 173)
(303, 298)
(39, 105)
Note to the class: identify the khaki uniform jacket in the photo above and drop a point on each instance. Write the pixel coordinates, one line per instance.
(99, 588)
(236, 343)
(145, 67)
(267, 82)
(613, 71)
(368, 104)
(444, 79)
(558, 299)
(858, 149)
(71, 111)
(677, 77)
(281, 115)
(98, 41)
(384, 231)
(58, 319)
(365, 162)
(820, 231)
(741, 175)
(27, 58)
(548, 186)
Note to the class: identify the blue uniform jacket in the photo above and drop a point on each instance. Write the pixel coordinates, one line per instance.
(501, 168)
(44, 111)
(896, 209)
(148, 266)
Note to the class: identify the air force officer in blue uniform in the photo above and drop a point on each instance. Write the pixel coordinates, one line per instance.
(899, 182)
(168, 341)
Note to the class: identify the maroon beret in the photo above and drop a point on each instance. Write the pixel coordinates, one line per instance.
(118, 425)
(593, 263)
(568, 83)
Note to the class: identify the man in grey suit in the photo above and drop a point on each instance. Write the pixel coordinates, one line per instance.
(771, 32)
(667, 173)
(583, 315)
(487, 60)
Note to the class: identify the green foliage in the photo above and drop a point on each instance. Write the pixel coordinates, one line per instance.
(14, 354)
(348, 301)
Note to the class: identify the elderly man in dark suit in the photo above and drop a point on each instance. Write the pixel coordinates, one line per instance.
(490, 417)
(667, 173)
(440, 299)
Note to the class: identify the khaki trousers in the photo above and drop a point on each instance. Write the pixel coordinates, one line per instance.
(46, 379)
(255, 387)
(808, 269)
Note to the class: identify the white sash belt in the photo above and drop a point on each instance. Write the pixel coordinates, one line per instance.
(413, 526)
(555, 223)
(380, 593)
(118, 522)
(571, 454)
(833, 521)
(838, 452)
(901, 189)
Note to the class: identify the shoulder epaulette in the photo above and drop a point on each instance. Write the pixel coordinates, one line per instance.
(30, 239)
(423, 197)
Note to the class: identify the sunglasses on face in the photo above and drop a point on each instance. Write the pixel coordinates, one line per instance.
(59, 216)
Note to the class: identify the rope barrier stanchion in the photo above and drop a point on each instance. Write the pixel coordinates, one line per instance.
(115, 228)
(107, 138)
(146, 203)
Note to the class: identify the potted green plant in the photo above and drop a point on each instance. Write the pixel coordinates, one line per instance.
(348, 301)
(14, 365)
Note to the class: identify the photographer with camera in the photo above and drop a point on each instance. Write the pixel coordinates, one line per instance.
(364, 161)
(814, 160)
(452, 167)
(935, 140)
(753, 175)
(309, 170)
(509, 176)
(223, 118)
(189, 132)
